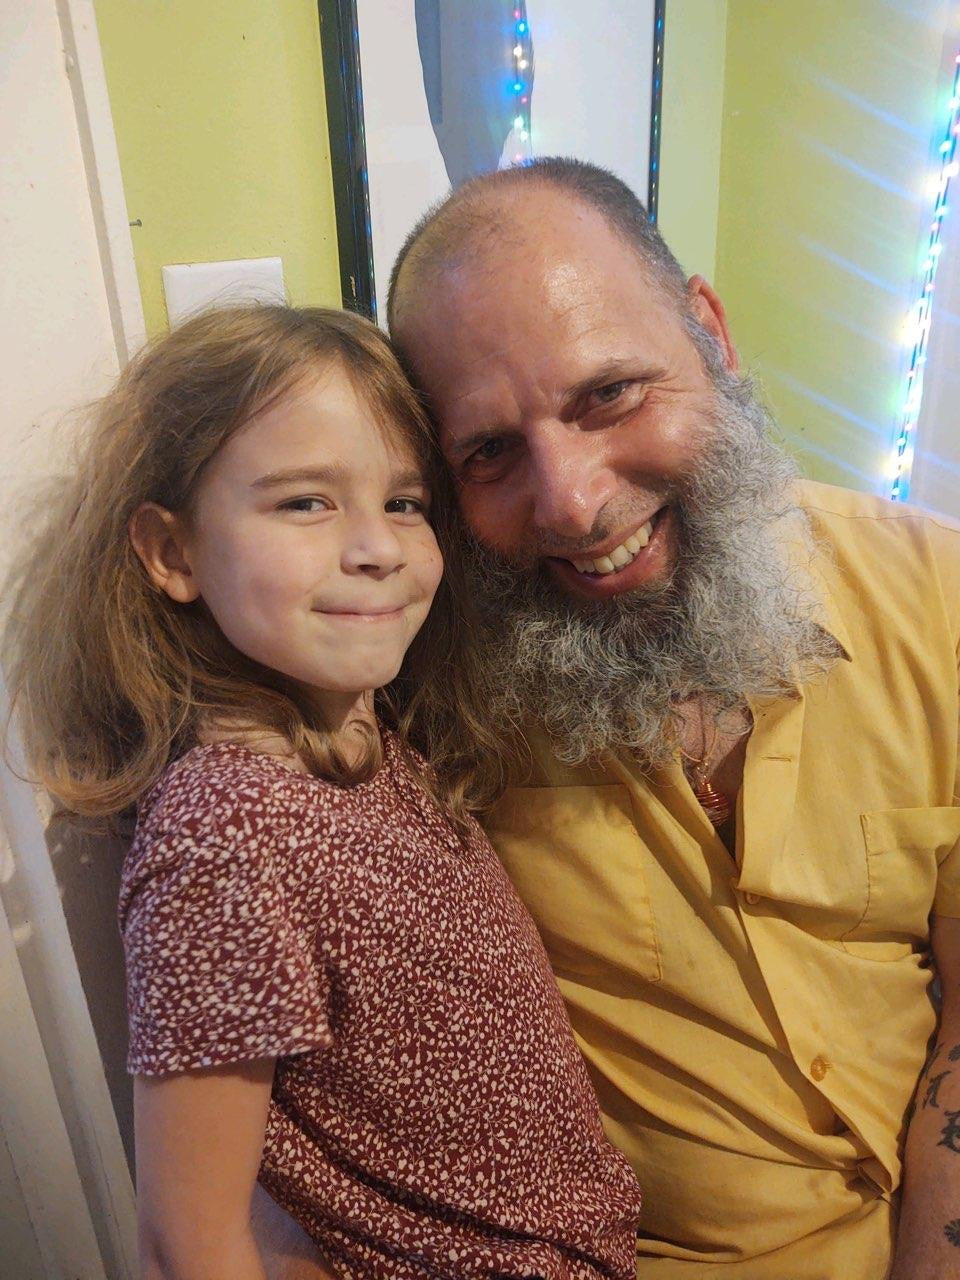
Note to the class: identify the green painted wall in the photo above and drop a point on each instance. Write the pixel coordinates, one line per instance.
(829, 111)
(219, 112)
(693, 94)
(794, 161)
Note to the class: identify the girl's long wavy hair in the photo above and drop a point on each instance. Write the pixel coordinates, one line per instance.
(111, 680)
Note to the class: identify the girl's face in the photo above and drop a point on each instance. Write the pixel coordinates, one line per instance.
(310, 545)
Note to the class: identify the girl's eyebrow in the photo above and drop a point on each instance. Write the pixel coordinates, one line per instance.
(410, 476)
(333, 474)
(297, 475)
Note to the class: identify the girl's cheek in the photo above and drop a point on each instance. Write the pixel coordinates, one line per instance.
(435, 566)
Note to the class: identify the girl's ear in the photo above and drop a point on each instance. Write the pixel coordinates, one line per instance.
(158, 538)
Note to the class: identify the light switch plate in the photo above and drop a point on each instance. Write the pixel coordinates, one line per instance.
(190, 287)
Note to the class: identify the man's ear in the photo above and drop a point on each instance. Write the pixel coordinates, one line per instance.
(158, 538)
(708, 309)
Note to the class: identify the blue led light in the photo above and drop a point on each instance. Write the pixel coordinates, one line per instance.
(522, 51)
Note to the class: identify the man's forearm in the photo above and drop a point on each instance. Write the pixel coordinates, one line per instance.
(928, 1245)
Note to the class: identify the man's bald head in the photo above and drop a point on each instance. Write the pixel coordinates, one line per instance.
(478, 214)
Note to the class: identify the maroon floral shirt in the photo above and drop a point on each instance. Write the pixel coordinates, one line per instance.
(430, 1114)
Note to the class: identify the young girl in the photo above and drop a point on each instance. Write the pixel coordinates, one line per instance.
(332, 987)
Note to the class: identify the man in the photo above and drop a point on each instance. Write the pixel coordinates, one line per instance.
(741, 694)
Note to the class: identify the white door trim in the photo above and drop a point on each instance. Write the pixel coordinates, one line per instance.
(48, 1186)
(68, 1055)
(101, 160)
(57, 1116)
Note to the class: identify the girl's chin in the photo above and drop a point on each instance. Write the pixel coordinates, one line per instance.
(341, 689)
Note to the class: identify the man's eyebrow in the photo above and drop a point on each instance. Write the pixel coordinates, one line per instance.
(333, 474)
(619, 369)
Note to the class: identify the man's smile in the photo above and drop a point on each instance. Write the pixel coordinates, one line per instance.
(635, 560)
(610, 561)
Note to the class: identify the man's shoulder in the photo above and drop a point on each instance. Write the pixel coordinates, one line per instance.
(831, 507)
(865, 527)
(875, 550)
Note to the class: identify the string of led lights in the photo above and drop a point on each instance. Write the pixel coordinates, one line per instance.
(656, 108)
(918, 319)
(522, 58)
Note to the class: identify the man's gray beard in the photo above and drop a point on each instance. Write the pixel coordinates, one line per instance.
(737, 617)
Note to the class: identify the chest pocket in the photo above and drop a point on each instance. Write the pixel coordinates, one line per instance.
(577, 862)
(904, 849)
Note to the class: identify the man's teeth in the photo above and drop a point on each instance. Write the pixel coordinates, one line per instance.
(620, 556)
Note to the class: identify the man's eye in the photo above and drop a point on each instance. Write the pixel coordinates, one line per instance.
(308, 505)
(612, 391)
(405, 506)
(489, 450)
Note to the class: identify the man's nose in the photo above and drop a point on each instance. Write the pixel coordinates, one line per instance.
(571, 482)
(371, 546)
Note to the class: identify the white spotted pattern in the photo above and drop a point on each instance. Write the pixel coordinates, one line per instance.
(430, 1115)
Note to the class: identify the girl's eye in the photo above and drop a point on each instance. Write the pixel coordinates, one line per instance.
(612, 391)
(405, 506)
(308, 505)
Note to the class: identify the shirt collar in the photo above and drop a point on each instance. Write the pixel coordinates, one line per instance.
(821, 570)
(833, 621)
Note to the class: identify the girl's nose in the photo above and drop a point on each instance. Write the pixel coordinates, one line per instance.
(371, 546)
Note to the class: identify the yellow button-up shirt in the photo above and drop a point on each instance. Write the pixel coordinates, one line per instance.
(755, 1026)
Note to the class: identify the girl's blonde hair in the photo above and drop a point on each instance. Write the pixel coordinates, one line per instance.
(111, 679)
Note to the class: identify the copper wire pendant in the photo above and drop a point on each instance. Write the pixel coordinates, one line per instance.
(714, 803)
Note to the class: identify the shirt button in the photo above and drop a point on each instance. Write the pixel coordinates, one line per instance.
(819, 1068)
(752, 898)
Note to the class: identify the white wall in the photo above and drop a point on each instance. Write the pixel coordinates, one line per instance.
(56, 331)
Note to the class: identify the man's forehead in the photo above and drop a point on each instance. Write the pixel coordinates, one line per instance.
(503, 232)
(557, 325)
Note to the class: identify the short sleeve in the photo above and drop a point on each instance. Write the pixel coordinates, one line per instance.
(947, 901)
(221, 965)
(945, 540)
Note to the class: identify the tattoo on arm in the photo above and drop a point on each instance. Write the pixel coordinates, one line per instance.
(950, 1135)
(933, 1089)
(952, 1231)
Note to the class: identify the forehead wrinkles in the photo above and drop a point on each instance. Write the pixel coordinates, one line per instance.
(528, 311)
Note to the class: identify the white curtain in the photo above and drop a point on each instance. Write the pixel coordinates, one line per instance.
(936, 468)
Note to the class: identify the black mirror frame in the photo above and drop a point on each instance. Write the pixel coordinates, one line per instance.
(340, 46)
